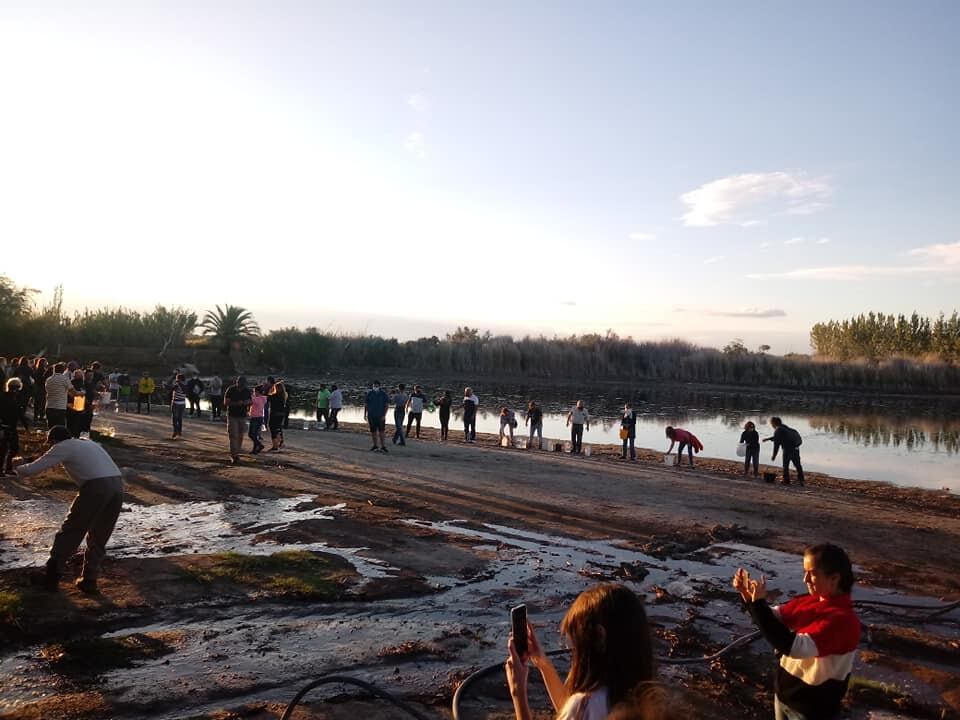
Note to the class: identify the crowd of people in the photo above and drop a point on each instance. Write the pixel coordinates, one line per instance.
(612, 672)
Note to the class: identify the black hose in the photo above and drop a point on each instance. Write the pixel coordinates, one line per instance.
(343, 679)
(739, 642)
(937, 612)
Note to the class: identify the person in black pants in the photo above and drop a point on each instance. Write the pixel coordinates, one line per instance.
(789, 440)
(443, 403)
(751, 438)
(469, 416)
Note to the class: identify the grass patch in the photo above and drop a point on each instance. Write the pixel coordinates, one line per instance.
(94, 656)
(10, 606)
(291, 572)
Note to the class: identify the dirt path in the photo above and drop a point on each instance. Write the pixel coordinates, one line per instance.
(900, 538)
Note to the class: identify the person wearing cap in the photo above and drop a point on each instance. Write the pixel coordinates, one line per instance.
(94, 510)
(145, 389)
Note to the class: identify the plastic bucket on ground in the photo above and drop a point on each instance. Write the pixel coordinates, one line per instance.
(669, 460)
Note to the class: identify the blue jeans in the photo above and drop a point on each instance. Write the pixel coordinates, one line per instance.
(633, 450)
(177, 411)
(576, 436)
(254, 432)
(398, 414)
(536, 429)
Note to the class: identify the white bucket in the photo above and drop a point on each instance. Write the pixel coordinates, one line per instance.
(306, 424)
(670, 460)
(586, 451)
(505, 441)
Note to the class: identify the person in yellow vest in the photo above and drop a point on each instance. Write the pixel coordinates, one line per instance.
(145, 389)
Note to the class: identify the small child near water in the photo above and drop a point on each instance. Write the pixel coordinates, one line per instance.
(751, 438)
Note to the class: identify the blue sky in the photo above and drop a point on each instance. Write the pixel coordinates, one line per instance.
(703, 170)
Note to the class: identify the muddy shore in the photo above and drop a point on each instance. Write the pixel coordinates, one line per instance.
(405, 560)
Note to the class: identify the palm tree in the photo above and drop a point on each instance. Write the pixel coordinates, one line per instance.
(230, 327)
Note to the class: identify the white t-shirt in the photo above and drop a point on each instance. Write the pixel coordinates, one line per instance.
(586, 706)
(336, 399)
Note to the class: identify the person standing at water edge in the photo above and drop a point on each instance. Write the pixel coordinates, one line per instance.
(577, 419)
(816, 635)
(444, 403)
(751, 439)
(534, 418)
(399, 400)
(628, 431)
(94, 510)
(508, 421)
(415, 406)
(237, 399)
(789, 440)
(323, 406)
(375, 413)
(470, 404)
(336, 405)
(687, 440)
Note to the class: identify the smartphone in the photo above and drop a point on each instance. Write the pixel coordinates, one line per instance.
(518, 622)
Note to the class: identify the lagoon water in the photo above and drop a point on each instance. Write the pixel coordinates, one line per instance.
(902, 440)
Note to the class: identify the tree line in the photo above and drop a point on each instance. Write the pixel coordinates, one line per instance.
(876, 336)
(874, 351)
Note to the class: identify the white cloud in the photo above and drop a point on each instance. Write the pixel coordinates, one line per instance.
(712, 260)
(944, 254)
(418, 102)
(765, 244)
(824, 241)
(848, 272)
(415, 145)
(942, 259)
(642, 236)
(793, 241)
(750, 313)
(753, 223)
(738, 199)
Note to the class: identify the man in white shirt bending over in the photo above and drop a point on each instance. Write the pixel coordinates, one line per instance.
(94, 510)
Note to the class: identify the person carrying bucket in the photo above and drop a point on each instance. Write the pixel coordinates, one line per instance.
(686, 439)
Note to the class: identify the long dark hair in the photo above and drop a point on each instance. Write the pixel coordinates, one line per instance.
(832, 560)
(610, 638)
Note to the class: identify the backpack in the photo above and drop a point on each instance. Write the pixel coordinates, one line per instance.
(794, 437)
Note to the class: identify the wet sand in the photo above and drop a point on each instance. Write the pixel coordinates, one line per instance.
(429, 544)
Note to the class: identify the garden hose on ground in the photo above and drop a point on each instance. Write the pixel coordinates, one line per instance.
(343, 679)
(742, 641)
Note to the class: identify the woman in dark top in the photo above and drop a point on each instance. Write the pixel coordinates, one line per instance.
(277, 402)
(12, 411)
(443, 403)
(75, 416)
(469, 415)
(628, 431)
(751, 438)
(40, 375)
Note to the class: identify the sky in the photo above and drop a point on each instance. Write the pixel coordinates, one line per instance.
(700, 170)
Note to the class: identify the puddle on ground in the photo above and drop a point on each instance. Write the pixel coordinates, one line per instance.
(267, 651)
(240, 524)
